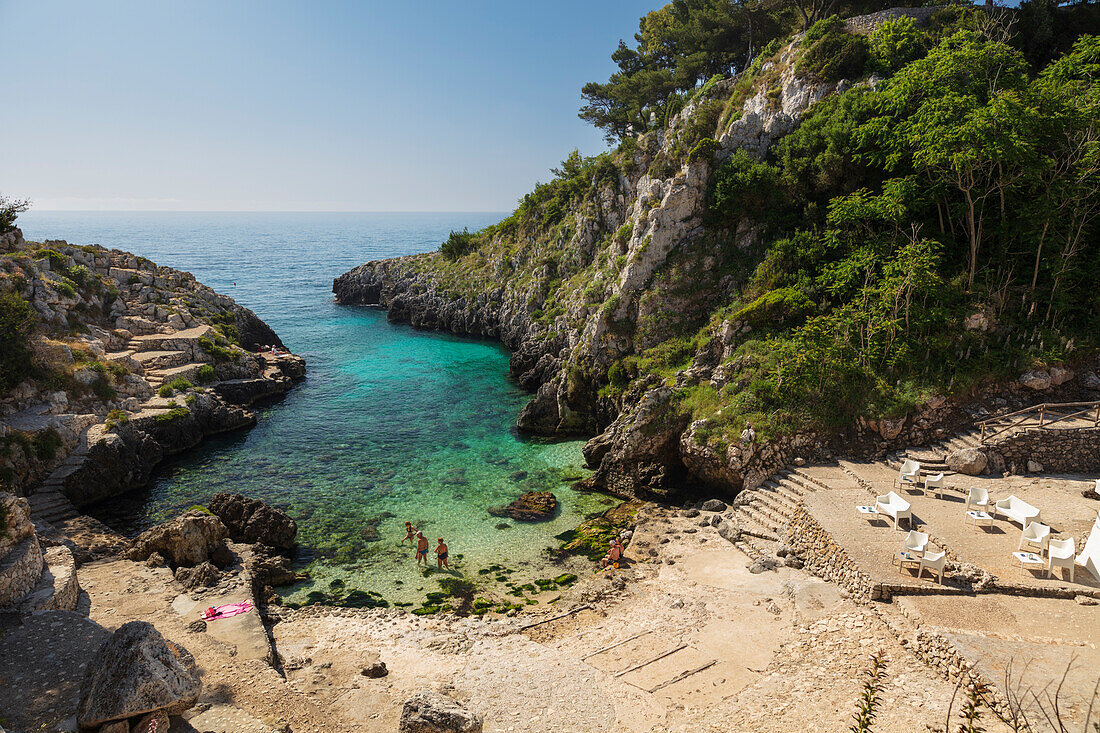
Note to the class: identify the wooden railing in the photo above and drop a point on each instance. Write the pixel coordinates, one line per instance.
(1041, 416)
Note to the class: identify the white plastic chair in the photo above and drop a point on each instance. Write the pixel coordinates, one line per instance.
(933, 560)
(1062, 555)
(937, 483)
(978, 500)
(1035, 533)
(916, 542)
(894, 506)
(909, 473)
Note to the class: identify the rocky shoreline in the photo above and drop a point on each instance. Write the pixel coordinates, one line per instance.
(125, 363)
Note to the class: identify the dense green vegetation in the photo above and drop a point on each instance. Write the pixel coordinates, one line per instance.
(961, 184)
(958, 183)
(16, 324)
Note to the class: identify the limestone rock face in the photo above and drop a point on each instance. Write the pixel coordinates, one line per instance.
(970, 461)
(533, 506)
(187, 540)
(136, 671)
(251, 520)
(431, 712)
(1037, 380)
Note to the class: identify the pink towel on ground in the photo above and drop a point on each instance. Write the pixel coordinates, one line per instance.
(228, 610)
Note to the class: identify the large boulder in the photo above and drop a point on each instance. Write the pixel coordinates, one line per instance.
(533, 506)
(135, 672)
(191, 538)
(1037, 380)
(203, 575)
(251, 520)
(970, 461)
(431, 712)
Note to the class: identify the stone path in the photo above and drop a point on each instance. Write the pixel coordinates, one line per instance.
(42, 660)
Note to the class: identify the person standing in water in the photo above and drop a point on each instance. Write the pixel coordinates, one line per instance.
(421, 548)
(441, 555)
(409, 532)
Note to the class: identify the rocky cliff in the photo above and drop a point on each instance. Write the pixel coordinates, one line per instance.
(658, 296)
(113, 363)
(632, 264)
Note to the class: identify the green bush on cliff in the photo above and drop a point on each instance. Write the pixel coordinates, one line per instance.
(176, 413)
(10, 209)
(458, 244)
(205, 374)
(16, 324)
(832, 52)
(179, 384)
(217, 348)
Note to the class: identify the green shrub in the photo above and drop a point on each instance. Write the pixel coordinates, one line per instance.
(176, 413)
(101, 388)
(822, 28)
(458, 244)
(834, 54)
(46, 444)
(205, 374)
(116, 418)
(776, 307)
(895, 43)
(58, 262)
(704, 150)
(742, 187)
(16, 323)
(217, 348)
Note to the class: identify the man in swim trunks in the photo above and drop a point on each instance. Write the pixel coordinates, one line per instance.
(441, 555)
(410, 533)
(421, 548)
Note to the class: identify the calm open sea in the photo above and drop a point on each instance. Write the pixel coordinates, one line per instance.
(390, 422)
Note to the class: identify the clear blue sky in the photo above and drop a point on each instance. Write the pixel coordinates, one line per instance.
(437, 105)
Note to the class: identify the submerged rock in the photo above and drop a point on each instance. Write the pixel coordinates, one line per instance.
(251, 520)
(430, 712)
(135, 672)
(533, 506)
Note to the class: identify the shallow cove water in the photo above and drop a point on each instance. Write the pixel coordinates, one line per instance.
(391, 424)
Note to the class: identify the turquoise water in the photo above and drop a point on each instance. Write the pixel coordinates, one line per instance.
(391, 424)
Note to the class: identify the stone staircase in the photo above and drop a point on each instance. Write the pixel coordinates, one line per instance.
(933, 458)
(160, 358)
(33, 579)
(48, 501)
(764, 513)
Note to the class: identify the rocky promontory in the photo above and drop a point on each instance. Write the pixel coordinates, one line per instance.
(111, 364)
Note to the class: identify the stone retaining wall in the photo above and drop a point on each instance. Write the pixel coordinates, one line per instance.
(1072, 450)
(19, 571)
(66, 588)
(868, 23)
(823, 557)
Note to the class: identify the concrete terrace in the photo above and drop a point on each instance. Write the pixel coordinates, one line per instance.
(873, 544)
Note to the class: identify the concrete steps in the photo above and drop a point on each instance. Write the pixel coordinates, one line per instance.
(160, 359)
(47, 500)
(51, 506)
(158, 377)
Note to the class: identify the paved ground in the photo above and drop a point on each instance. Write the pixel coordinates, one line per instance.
(1031, 640)
(873, 544)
